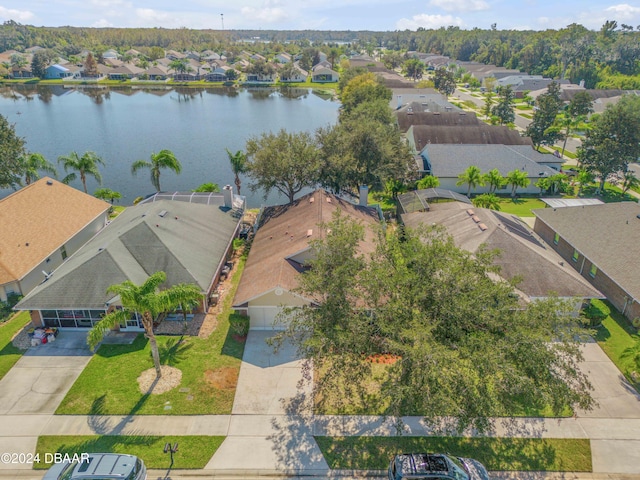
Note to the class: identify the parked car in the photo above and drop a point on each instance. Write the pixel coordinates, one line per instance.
(99, 466)
(409, 466)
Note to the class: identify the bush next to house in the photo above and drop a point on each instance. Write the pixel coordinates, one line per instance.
(596, 312)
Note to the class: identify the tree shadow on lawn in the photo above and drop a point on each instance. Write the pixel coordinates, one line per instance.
(113, 350)
(173, 351)
(234, 343)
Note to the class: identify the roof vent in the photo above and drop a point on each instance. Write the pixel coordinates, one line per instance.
(312, 199)
(309, 232)
(328, 199)
(162, 213)
(638, 216)
(482, 226)
(49, 182)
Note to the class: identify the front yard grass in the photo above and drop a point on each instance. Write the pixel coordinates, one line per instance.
(193, 451)
(618, 338)
(520, 206)
(9, 354)
(497, 454)
(209, 366)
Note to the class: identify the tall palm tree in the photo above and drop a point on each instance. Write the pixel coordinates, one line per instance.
(87, 164)
(517, 178)
(238, 162)
(472, 176)
(162, 159)
(33, 163)
(148, 301)
(629, 181)
(493, 179)
(584, 178)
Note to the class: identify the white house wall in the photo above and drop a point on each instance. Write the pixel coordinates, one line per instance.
(450, 184)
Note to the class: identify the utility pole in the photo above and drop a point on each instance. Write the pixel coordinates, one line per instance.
(222, 20)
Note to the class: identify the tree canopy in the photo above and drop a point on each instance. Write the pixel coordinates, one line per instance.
(11, 151)
(466, 349)
(444, 81)
(87, 164)
(164, 159)
(541, 129)
(286, 162)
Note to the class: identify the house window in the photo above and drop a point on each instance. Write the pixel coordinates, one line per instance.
(556, 238)
(593, 270)
(576, 254)
(63, 252)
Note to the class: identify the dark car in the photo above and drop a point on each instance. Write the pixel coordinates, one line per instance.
(99, 466)
(412, 466)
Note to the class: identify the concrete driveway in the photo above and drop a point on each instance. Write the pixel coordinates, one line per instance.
(269, 383)
(38, 382)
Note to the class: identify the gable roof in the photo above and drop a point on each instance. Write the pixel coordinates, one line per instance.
(41, 217)
(284, 231)
(414, 114)
(448, 161)
(481, 133)
(606, 234)
(186, 240)
(522, 253)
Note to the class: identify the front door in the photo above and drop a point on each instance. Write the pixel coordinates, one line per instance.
(132, 325)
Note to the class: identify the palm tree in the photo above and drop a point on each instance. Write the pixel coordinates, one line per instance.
(160, 160)
(238, 162)
(517, 178)
(147, 301)
(208, 187)
(472, 176)
(87, 164)
(33, 163)
(487, 200)
(629, 181)
(179, 65)
(428, 182)
(493, 179)
(584, 178)
(107, 194)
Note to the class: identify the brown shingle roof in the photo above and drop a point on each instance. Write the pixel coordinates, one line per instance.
(424, 135)
(37, 220)
(408, 118)
(284, 231)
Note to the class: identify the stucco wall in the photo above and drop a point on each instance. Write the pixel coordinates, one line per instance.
(450, 184)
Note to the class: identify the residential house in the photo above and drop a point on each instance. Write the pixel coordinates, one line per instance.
(297, 75)
(43, 224)
(419, 136)
(125, 72)
(21, 72)
(522, 256)
(218, 74)
(189, 236)
(33, 49)
(57, 71)
(173, 55)
(447, 161)
(132, 52)
(110, 54)
(257, 56)
(283, 57)
(158, 73)
(322, 74)
(113, 62)
(601, 243)
(281, 250)
(429, 99)
(416, 114)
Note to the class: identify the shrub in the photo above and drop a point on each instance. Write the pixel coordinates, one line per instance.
(596, 312)
(239, 324)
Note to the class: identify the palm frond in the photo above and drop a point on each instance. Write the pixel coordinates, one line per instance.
(110, 320)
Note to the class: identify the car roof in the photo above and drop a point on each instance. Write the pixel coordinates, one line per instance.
(109, 465)
(423, 464)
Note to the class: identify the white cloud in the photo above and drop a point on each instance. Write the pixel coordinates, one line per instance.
(156, 18)
(102, 23)
(111, 3)
(624, 10)
(460, 5)
(13, 14)
(266, 14)
(428, 21)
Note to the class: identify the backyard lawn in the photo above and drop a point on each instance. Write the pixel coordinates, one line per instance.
(209, 366)
(193, 451)
(9, 354)
(501, 454)
(520, 206)
(617, 338)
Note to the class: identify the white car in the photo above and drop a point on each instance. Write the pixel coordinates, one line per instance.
(99, 466)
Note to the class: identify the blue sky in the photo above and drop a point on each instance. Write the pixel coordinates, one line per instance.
(321, 14)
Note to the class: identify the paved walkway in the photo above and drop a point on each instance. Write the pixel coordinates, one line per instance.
(275, 434)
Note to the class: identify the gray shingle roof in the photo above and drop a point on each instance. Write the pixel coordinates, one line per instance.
(522, 253)
(188, 243)
(608, 235)
(449, 160)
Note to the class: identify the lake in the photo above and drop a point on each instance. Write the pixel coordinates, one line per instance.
(123, 125)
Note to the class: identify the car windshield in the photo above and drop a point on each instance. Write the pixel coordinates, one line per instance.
(67, 473)
(458, 470)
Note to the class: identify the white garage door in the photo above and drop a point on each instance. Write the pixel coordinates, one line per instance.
(262, 318)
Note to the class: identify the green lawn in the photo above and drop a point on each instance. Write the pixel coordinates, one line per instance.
(526, 115)
(193, 451)
(567, 153)
(9, 354)
(501, 454)
(616, 336)
(209, 374)
(520, 206)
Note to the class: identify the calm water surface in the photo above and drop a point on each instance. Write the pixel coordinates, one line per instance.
(125, 125)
